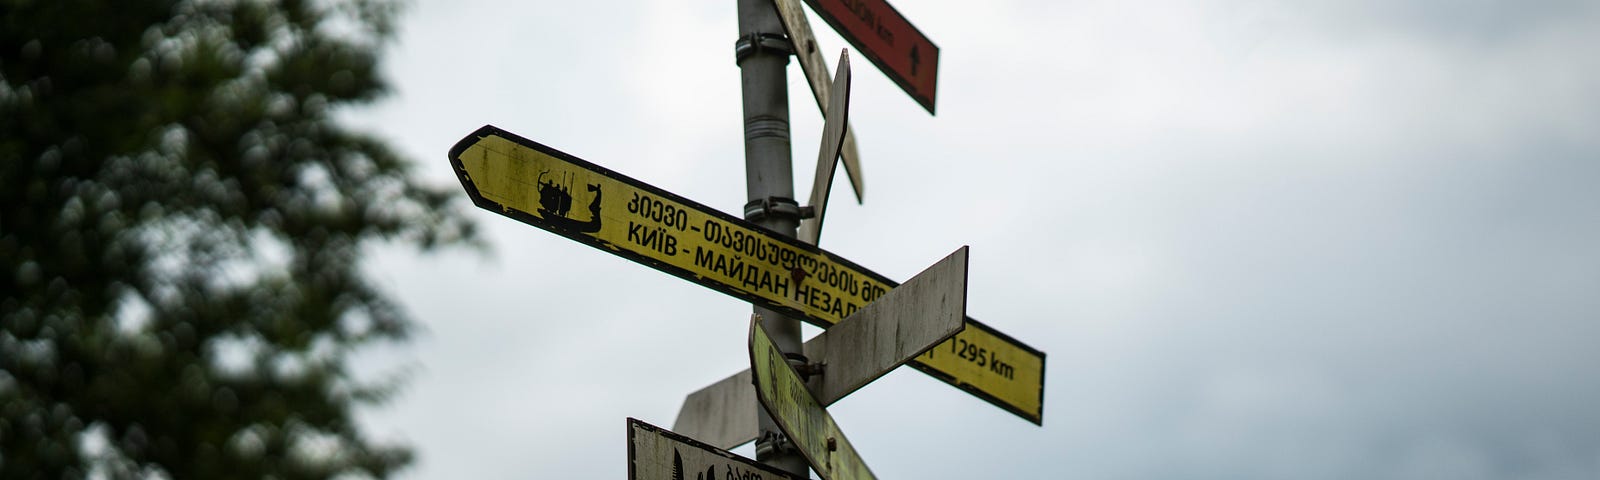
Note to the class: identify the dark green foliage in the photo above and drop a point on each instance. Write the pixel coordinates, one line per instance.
(180, 239)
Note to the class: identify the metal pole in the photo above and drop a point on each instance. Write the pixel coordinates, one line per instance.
(762, 53)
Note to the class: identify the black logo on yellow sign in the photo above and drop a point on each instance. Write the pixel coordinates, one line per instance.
(555, 200)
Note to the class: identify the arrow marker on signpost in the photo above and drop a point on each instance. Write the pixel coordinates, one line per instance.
(833, 129)
(887, 39)
(885, 334)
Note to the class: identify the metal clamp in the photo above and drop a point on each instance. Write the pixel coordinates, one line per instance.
(758, 210)
(803, 366)
(808, 370)
(756, 42)
(770, 442)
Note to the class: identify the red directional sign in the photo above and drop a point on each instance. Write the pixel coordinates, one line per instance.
(889, 40)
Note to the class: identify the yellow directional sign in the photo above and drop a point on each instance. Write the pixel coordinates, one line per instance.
(803, 419)
(543, 187)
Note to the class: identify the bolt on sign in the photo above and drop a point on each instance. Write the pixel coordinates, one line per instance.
(655, 453)
(785, 397)
(560, 193)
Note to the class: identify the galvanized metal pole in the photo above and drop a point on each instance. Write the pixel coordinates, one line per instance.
(762, 53)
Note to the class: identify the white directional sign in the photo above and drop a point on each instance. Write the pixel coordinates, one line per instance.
(881, 336)
(657, 454)
(911, 319)
(803, 420)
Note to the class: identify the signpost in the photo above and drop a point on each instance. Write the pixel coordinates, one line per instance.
(658, 454)
(568, 196)
(804, 420)
(762, 54)
(912, 318)
(889, 40)
(872, 324)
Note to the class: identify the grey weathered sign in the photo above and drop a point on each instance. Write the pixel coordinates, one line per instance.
(881, 336)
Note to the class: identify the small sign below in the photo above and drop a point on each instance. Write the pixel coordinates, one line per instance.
(657, 454)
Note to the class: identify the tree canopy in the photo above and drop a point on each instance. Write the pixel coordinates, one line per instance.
(182, 219)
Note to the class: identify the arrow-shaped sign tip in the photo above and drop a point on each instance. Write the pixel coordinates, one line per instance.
(834, 125)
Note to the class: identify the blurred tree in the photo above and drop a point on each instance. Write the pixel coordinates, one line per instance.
(180, 241)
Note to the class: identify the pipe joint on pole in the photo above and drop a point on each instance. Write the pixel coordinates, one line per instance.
(773, 207)
(760, 42)
(772, 444)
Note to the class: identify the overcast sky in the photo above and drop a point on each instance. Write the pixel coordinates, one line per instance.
(1257, 239)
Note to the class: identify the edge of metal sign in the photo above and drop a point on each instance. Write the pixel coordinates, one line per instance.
(678, 437)
(484, 203)
(633, 472)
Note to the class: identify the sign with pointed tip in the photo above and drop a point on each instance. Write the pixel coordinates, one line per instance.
(722, 414)
(833, 128)
(912, 318)
(658, 454)
(816, 71)
(546, 188)
(802, 418)
(889, 40)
